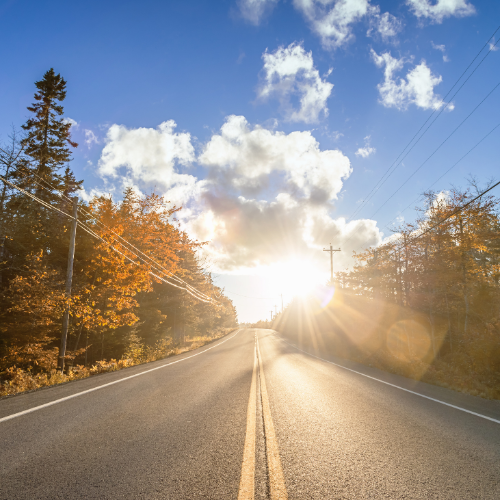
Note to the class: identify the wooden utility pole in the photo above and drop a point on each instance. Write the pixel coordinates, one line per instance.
(69, 281)
(331, 250)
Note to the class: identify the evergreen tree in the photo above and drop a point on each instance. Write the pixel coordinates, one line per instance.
(46, 150)
(48, 134)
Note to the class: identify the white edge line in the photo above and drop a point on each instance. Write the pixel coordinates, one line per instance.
(392, 385)
(56, 401)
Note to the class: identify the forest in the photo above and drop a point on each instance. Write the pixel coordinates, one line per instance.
(139, 289)
(425, 304)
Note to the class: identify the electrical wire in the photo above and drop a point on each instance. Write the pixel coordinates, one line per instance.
(159, 267)
(434, 152)
(89, 231)
(455, 212)
(92, 233)
(458, 210)
(451, 168)
(390, 170)
(427, 159)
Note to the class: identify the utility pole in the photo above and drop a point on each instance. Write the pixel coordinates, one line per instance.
(281, 303)
(69, 281)
(331, 250)
(271, 315)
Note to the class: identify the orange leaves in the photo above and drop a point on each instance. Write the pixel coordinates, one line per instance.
(115, 274)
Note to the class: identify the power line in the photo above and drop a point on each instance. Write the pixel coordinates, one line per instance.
(451, 168)
(428, 158)
(159, 267)
(92, 233)
(192, 291)
(455, 212)
(389, 172)
(435, 151)
(458, 210)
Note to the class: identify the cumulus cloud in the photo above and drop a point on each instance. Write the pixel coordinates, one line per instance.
(417, 88)
(246, 157)
(88, 195)
(248, 233)
(289, 72)
(385, 25)
(267, 191)
(332, 20)
(437, 11)
(264, 191)
(150, 157)
(367, 150)
(255, 10)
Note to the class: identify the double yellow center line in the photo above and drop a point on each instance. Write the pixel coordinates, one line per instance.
(276, 480)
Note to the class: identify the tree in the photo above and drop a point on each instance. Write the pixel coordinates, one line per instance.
(48, 134)
(12, 160)
(45, 148)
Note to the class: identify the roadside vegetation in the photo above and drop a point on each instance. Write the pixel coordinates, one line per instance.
(425, 305)
(120, 313)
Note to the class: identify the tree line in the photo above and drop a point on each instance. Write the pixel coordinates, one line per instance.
(425, 303)
(133, 271)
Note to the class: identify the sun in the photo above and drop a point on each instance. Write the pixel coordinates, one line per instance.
(296, 278)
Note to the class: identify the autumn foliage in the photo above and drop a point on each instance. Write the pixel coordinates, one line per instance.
(124, 307)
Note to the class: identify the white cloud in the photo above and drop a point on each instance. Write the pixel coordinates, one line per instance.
(441, 48)
(331, 20)
(245, 158)
(493, 45)
(74, 123)
(255, 10)
(90, 138)
(290, 72)
(265, 191)
(386, 25)
(88, 195)
(268, 199)
(440, 9)
(247, 234)
(417, 88)
(149, 157)
(367, 150)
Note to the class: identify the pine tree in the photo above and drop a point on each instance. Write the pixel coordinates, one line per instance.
(48, 134)
(46, 150)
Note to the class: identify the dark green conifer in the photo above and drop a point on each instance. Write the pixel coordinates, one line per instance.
(48, 134)
(46, 151)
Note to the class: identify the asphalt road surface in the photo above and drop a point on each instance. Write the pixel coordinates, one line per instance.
(249, 416)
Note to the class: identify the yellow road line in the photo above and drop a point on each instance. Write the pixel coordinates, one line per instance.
(276, 479)
(248, 467)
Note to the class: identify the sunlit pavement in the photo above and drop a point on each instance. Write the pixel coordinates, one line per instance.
(179, 433)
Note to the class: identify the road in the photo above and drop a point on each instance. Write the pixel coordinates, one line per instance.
(249, 416)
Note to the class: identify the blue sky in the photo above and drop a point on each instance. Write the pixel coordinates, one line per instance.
(279, 117)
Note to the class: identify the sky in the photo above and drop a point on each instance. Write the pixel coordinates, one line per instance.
(271, 122)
